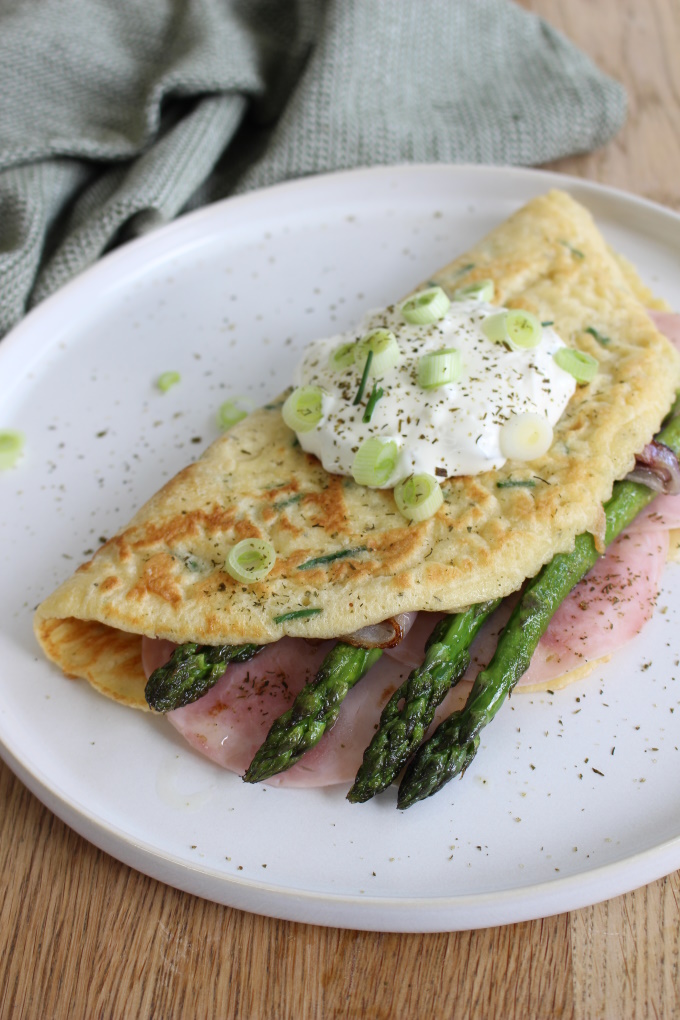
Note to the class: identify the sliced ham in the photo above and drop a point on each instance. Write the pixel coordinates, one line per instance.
(607, 608)
(410, 651)
(661, 514)
(667, 323)
(229, 723)
(155, 653)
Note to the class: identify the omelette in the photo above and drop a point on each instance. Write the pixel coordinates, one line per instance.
(345, 557)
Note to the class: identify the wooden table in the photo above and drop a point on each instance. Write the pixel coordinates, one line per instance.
(84, 936)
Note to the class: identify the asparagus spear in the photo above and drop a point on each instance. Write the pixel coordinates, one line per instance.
(313, 711)
(407, 715)
(454, 743)
(190, 672)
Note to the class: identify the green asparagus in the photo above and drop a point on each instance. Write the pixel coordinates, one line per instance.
(453, 745)
(190, 672)
(407, 715)
(314, 710)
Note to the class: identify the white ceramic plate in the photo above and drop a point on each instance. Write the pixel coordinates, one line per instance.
(573, 797)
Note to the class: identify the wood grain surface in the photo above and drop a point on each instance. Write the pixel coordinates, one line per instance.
(84, 936)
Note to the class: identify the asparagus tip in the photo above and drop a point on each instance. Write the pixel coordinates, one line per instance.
(258, 771)
(359, 795)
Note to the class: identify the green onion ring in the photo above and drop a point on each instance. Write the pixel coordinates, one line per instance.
(515, 327)
(375, 461)
(11, 448)
(342, 357)
(250, 560)
(418, 497)
(229, 413)
(303, 409)
(383, 344)
(167, 380)
(581, 365)
(483, 290)
(437, 368)
(426, 306)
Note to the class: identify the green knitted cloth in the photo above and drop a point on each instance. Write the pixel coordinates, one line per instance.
(118, 115)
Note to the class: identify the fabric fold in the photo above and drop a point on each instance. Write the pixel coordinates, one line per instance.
(119, 117)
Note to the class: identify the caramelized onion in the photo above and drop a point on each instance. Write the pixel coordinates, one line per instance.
(657, 467)
(385, 634)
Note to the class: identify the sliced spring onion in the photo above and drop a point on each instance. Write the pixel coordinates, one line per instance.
(580, 364)
(600, 337)
(526, 436)
(166, 380)
(375, 396)
(483, 290)
(493, 328)
(574, 251)
(375, 461)
(464, 269)
(516, 327)
(290, 501)
(297, 614)
(517, 483)
(439, 367)
(418, 497)
(342, 554)
(302, 410)
(229, 413)
(11, 448)
(383, 344)
(524, 329)
(250, 560)
(426, 306)
(342, 357)
(364, 379)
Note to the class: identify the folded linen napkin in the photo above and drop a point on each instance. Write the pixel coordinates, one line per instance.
(119, 115)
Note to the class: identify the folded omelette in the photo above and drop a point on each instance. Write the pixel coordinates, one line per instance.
(163, 574)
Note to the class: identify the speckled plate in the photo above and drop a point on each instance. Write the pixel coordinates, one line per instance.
(573, 797)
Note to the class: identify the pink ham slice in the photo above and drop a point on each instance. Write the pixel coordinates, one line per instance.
(229, 723)
(663, 513)
(619, 593)
(155, 653)
(667, 323)
(607, 608)
(410, 651)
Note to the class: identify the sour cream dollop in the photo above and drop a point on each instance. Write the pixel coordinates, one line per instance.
(453, 429)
